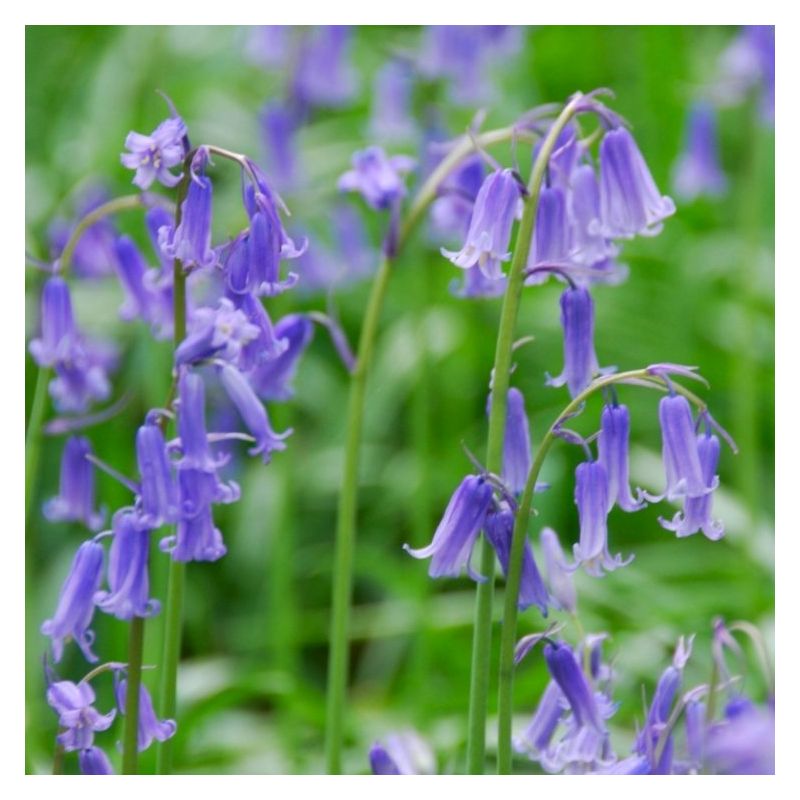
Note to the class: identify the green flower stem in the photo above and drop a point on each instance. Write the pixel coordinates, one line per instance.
(482, 638)
(509, 627)
(348, 496)
(130, 744)
(33, 436)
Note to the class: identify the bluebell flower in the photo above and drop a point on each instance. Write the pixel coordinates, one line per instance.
(564, 159)
(458, 530)
(278, 129)
(190, 242)
(475, 284)
(128, 578)
(195, 451)
(694, 718)
(516, 443)
(59, 336)
(131, 270)
(377, 177)
(150, 727)
(404, 753)
(630, 203)
(499, 529)
(580, 360)
(221, 332)
(81, 381)
(591, 497)
(75, 499)
(743, 742)
(267, 345)
(93, 761)
(273, 379)
(324, 75)
(352, 245)
(74, 704)
(268, 45)
(75, 607)
(154, 156)
(489, 234)
(391, 117)
(551, 234)
(697, 170)
(252, 412)
(451, 211)
(696, 514)
(537, 737)
(157, 502)
(560, 582)
(567, 674)
(748, 62)
(612, 453)
(588, 245)
(160, 223)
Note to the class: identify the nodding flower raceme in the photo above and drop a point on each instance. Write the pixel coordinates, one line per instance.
(560, 582)
(516, 443)
(128, 578)
(696, 513)
(155, 155)
(612, 453)
(74, 704)
(157, 502)
(75, 499)
(455, 535)
(93, 761)
(499, 528)
(630, 203)
(489, 233)
(551, 234)
(59, 337)
(697, 170)
(222, 332)
(591, 497)
(580, 361)
(150, 727)
(75, 607)
(272, 380)
(377, 177)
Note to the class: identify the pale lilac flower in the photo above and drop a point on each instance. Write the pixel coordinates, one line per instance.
(452, 209)
(94, 761)
(697, 170)
(128, 579)
(630, 203)
(74, 704)
(75, 607)
(377, 177)
(536, 739)
(157, 502)
(267, 344)
(131, 271)
(153, 156)
(404, 753)
(268, 45)
(81, 381)
(222, 333)
(324, 75)
(150, 727)
(694, 717)
(516, 443)
(560, 582)
(195, 451)
(59, 334)
(458, 530)
(272, 380)
(591, 497)
(588, 245)
(489, 234)
(551, 234)
(612, 453)
(744, 742)
(391, 117)
(75, 499)
(252, 412)
(278, 129)
(749, 61)
(476, 285)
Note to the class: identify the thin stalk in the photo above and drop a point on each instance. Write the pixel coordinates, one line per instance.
(33, 437)
(130, 745)
(348, 497)
(482, 638)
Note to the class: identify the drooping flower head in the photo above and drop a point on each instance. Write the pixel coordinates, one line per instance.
(93, 761)
(403, 753)
(451, 211)
(612, 453)
(391, 118)
(128, 578)
(154, 156)
(150, 727)
(278, 129)
(75, 499)
(560, 582)
(75, 607)
(566, 672)
(697, 170)
(157, 502)
(59, 336)
(74, 704)
(551, 234)
(490, 226)
(377, 177)
(221, 332)
(459, 528)
(516, 443)
(630, 203)
(324, 75)
(272, 380)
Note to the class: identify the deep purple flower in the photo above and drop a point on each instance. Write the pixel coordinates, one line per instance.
(75, 499)
(499, 528)
(158, 498)
(377, 177)
(403, 753)
(195, 451)
(381, 762)
(94, 761)
(697, 169)
(252, 412)
(612, 453)
(75, 607)
(73, 702)
(391, 117)
(459, 528)
(591, 497)
(324, 75)
(153, 156)
(630, 202)
(150, 727)
(273, 379)
(696, 514)
(59, 336)
(278, 129)
(190, 242)
(681, 454)
(128, 579)
(580, 361)
(220, 332)
(560, 582)
(490, 226)
(565, 671)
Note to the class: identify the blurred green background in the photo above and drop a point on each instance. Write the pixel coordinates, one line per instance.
(251, 686)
